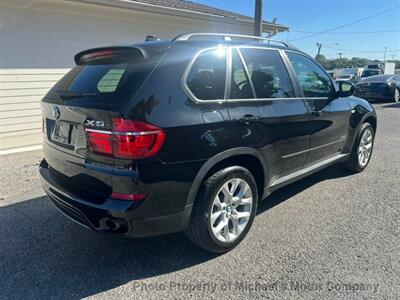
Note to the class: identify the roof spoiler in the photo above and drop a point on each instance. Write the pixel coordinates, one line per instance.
(106, 52)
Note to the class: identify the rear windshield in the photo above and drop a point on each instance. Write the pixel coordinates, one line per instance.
(113, 79)
(370, 73)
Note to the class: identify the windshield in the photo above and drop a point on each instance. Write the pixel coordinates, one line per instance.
(109, 80)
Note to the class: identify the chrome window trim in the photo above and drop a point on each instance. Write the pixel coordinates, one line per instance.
(373, 82)
(188, 69)
(256, 47)
(246, 70)
(228, 67)
(262, 99)
(276, 99)
(228, 73)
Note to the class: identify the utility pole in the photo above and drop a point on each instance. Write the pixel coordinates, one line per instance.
(393, 56)
(258, 9)
(319, 45)
(340, 55)
(384, 56)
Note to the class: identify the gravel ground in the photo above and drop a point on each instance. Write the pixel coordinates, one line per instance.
(332, 235)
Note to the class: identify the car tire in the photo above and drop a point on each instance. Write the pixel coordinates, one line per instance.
(362, 149)
(224, 210)
(396, 96)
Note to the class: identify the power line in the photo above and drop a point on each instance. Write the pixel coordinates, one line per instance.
(348, 32)
(361, 51)
(348, 24)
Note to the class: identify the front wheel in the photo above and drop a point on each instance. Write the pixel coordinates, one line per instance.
(224, 210)
(362, 149)
(396, 97)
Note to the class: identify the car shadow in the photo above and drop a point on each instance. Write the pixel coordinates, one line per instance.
(297, 187)
(43, 254)
(393, 105)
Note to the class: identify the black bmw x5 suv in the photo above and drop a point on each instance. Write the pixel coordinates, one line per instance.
(190, 134)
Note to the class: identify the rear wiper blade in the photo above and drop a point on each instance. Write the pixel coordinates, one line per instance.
(73, 94)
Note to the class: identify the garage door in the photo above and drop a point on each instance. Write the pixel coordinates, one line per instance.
(20, 93)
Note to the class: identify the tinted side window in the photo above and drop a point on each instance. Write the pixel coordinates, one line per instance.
(240, 84)
(206, 79)
(268, 73)
(314, 81)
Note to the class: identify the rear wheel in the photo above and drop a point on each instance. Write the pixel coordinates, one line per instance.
(362, 149)
(224, 210)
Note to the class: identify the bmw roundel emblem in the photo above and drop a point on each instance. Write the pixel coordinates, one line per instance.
(56, 112)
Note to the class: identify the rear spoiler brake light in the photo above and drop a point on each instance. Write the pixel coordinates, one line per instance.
(104, 52)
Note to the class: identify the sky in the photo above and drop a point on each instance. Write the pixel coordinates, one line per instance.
(317, 16)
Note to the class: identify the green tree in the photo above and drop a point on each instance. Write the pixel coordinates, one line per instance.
(323, 61)
(358, 62)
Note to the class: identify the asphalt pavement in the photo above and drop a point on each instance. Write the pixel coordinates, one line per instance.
(331, 235)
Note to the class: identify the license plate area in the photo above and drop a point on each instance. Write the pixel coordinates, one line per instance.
(62, 133)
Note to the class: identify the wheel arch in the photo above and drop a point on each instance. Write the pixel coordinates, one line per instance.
(370, 118)
(226, 158)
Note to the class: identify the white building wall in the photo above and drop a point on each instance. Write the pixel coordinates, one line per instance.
(38, 40)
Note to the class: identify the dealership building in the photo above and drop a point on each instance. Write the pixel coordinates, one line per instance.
(38, 40)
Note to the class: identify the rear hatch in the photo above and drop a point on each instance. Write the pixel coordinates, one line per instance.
(104, 80)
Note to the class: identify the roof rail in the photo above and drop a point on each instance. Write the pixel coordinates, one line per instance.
(227, 37)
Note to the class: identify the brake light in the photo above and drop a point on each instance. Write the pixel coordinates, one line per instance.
(96, 55)
(100, 143)
(128, 139)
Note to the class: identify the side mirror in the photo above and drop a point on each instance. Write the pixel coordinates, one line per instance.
(346, 88)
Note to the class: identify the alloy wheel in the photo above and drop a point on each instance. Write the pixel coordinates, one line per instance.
(231, 210)
(365, 147)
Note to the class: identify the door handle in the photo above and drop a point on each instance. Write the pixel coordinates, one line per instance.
(247, 119)
(316, 113)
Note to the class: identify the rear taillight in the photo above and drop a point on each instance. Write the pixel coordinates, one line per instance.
(100, 142)
(128, 139)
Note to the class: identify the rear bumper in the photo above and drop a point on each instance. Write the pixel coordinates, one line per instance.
(113, 216)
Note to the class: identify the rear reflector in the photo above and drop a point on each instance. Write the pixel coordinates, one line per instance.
(128, 139)
(129, 197)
